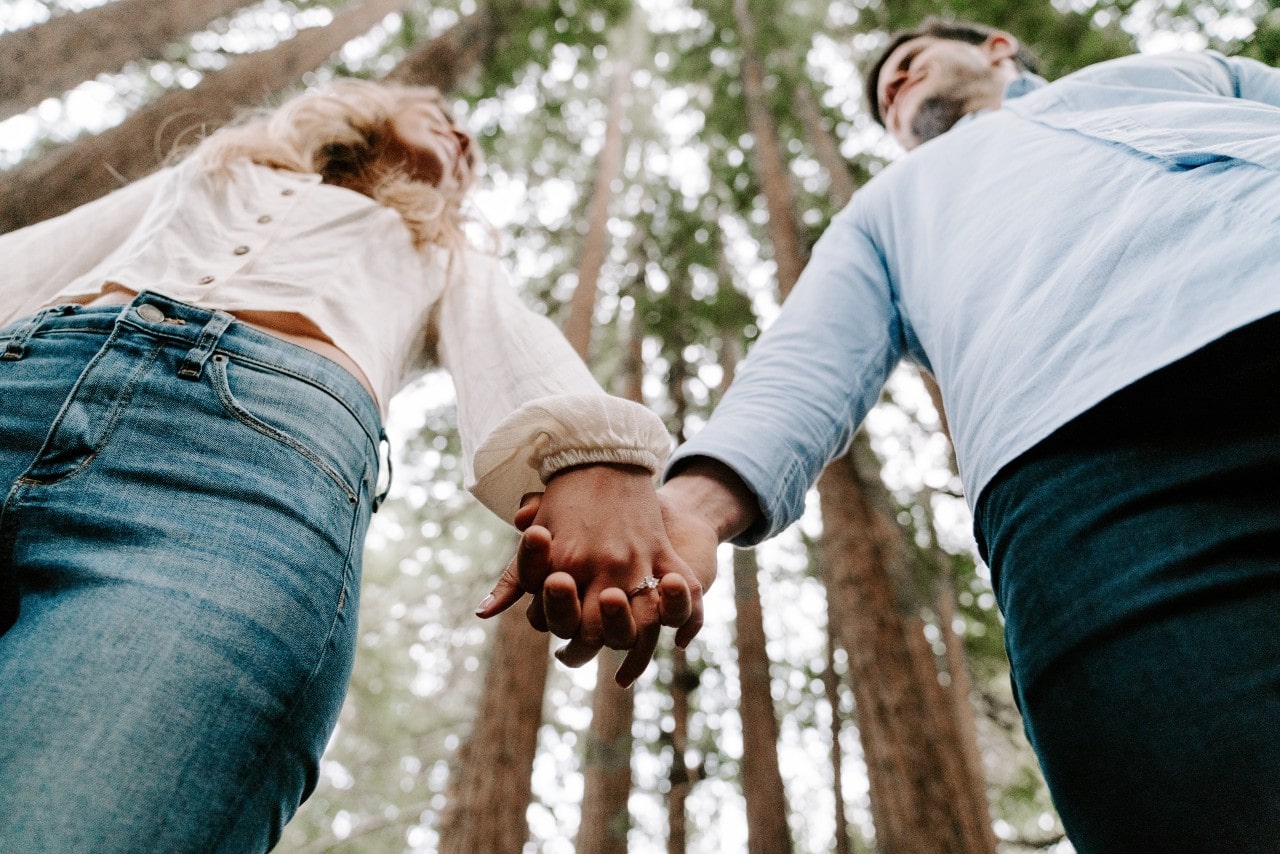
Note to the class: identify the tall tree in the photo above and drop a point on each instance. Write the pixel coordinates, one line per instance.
(607, 763)
(950, 710)
(47, 59)
(490, 789)
(93, 166)
(767, 831)
(917, 807)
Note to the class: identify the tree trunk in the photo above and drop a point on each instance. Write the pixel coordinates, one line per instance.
(491, 788)
(841, 185)
(447, 59)
(926, 794)
(607, 764)
(767, 831)
(595, 247)
(831, 683)
(47, 59)
(922, 799)
(683, 681)
(91, 167)
(788, 253)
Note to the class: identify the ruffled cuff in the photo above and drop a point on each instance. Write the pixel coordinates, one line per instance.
(547, 435)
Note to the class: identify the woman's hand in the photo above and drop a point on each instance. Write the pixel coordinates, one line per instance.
(589, 542)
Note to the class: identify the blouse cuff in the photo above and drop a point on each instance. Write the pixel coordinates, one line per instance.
(549, 434)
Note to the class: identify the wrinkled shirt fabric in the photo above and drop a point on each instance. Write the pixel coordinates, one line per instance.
(262, 239)
(1036, 259)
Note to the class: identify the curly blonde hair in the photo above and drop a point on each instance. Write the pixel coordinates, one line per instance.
(343, 132)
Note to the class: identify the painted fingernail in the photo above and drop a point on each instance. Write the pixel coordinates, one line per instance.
(485, 603)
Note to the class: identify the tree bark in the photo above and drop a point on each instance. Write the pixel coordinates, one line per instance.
(926, 793)
(595, 247)
(683, 681)
(448, 59)
(788, 252)
(841, 185)
(47, 59)
(607, 764)
(93, 166)
(922, 799)
(606, 771)
(491, 787)
(831, 683)
(767, 831)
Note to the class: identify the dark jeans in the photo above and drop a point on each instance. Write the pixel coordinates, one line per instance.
(1136, 557)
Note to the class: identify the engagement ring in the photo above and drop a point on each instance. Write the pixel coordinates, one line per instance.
(645, 584)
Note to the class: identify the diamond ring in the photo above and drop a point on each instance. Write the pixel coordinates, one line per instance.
(645, 585)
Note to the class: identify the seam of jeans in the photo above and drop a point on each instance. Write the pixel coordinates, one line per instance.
(309, 380)
(121, 403)
(222, 387)
(249, 791)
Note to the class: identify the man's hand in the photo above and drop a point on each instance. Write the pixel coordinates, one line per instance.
(590, 540)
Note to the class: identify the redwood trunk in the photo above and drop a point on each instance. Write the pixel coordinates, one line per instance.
(45, 60)
(922, 799)
(767, 831)
(491, 787)
(91, 167)
(607, 764)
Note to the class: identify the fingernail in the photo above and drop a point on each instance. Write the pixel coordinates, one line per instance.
(485, 603)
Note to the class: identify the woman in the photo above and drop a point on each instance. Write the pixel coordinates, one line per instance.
(193, 372)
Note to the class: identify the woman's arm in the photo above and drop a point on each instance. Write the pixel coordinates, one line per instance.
(41, 259)
(532, 418)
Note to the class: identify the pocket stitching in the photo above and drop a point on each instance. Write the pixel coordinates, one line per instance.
(223, 388)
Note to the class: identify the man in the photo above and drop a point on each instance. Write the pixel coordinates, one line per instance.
(1089, 268)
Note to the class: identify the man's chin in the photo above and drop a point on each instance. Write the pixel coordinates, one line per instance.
(936, 115)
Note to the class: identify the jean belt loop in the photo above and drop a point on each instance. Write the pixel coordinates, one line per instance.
(382, 496)
(199, 354)
(16, 347)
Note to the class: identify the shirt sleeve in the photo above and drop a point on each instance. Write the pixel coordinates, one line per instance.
(527, 405)
(810, 379)
(41, 259)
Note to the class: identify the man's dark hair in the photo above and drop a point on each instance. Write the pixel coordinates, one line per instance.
(940, 28)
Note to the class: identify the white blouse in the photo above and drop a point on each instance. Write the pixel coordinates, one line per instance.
(279, 241)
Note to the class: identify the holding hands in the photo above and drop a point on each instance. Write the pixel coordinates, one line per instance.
(609, 561)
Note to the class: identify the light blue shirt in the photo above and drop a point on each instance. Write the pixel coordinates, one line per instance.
(1035, 258)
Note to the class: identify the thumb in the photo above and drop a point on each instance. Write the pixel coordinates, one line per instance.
(525, 572)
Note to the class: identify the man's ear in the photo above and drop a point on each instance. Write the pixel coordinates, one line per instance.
(1000, 46)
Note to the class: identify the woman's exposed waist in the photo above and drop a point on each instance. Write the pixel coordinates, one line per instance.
(290, 326)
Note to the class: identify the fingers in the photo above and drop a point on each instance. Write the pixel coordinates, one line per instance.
(505, 594)
(675, 602)
(526, 572)
(528, 511)
(579, 650)
(638, 657)
(561, 608)
(615, 614)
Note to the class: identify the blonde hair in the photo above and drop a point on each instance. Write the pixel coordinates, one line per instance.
(343, 132)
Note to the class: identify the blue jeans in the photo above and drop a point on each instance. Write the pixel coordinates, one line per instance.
(1136, 557)
(180, 542)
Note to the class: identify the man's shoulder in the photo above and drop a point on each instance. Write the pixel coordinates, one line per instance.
(1173, 71)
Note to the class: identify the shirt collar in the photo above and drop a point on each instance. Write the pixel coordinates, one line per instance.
(1022, 84)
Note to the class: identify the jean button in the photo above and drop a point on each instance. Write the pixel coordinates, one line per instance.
(150, 313)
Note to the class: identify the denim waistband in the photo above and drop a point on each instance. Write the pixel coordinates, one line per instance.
(205, 332)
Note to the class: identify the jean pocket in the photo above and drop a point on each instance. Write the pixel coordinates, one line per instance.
(298, 414)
